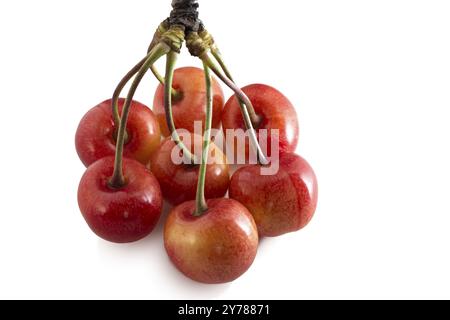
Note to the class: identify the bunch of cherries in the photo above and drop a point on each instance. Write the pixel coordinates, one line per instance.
(210, 238)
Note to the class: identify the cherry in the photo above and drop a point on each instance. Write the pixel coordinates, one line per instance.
(189, 103)
(273, 111)
(216, 247)
(124, 214)
(95, 137)
(179, 181)
(280, 203)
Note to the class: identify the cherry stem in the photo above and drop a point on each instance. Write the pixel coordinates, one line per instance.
(118, 179)
(123, 83)
(218, 56)
(201, 205)
(170, 66)
(245, 104)
(119, 88)
(157, 74)
(176, 95)
(256, 120)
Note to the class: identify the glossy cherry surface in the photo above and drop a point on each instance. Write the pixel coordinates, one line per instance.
(191, 107)
(95, 137)
(280, 203)
(121, 215)
(217, 247)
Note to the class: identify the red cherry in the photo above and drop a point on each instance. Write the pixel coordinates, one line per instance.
(281, 203)
(95, 135)
(275, 112)
(120, 215)
(191, 106)
(217, 247)
(179, 181)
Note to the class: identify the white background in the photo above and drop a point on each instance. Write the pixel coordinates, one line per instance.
(370, 80)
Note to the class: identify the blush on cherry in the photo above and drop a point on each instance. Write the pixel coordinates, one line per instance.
(124, 214)
(96, 134)
(280, 203)
(216, 247)
(189, 105)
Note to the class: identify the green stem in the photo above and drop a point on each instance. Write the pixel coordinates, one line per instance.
(256, 120)
(119, 88)
(218, 56)
(246, 105)
(123, 83)
(157, 74)
(118, 179)
(201, 205)
(176, 95)
(170, 66)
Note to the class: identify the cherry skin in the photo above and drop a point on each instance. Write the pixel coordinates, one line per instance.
(95, 137)
(179, 181)
(281, 203)
(191, 105)
(122, 215)
(217, 247)
(275, 112)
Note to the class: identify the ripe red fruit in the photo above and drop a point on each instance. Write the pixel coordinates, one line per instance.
(281, 203)
(179, 181)
(217, 247)
(191, 106)
(95, 137)
(120, 215)
(275, 112)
